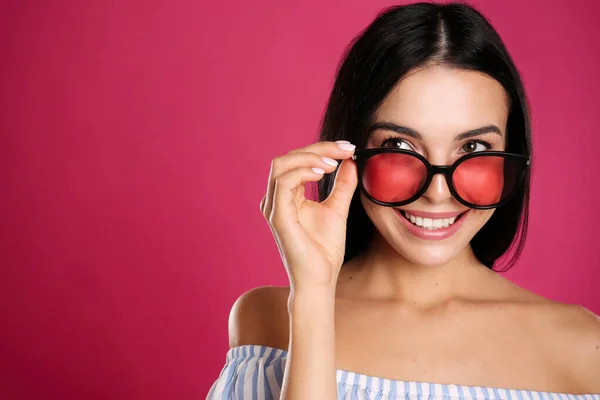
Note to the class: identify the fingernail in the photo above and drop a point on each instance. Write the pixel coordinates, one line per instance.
(318, 170)
(329, 161)
(346, 146)
(342, 141)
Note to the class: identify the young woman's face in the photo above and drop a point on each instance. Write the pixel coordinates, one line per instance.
(437, 104)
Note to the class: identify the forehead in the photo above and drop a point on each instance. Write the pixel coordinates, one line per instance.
(438, 100)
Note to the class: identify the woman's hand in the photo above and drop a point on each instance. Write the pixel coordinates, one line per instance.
(310, 235)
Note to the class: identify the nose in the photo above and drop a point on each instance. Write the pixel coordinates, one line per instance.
(438, 191)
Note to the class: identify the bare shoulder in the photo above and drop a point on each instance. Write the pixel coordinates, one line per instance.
(577, 342)
(260, 317)
(571, 335)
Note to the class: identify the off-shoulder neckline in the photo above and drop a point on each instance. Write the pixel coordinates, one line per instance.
(405, 387)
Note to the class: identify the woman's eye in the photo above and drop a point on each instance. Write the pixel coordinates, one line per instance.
(396, 143)
(474, 146)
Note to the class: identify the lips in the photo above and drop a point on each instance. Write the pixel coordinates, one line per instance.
(432, 226)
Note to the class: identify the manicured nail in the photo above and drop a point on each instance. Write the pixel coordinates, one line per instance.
(329, 161)
(346, 146)
(342, 141)
(318, 170)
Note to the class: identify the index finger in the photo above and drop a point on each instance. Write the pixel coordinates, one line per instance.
(338, 150)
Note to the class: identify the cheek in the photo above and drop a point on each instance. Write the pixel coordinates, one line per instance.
(478, 219)
(383, 218)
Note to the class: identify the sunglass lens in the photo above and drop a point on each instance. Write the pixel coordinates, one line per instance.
(487, 180)
(393, 177)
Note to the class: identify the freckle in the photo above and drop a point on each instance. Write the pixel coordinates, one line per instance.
(350, 278)
(436, 284)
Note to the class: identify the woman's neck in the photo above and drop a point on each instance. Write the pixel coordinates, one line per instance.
(380, 272)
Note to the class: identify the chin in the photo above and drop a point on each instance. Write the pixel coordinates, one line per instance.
(427, 255)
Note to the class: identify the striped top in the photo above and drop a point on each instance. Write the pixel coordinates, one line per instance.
(256, 372)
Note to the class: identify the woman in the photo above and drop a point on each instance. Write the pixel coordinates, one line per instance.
(393, 272)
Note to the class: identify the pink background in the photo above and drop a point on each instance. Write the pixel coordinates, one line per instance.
(135, 143)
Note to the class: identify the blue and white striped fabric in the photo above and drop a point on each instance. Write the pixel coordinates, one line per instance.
(256, 373)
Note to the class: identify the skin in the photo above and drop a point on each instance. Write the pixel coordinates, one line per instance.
(423, 310)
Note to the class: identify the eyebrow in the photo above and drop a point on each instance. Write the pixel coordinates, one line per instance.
(390, 126)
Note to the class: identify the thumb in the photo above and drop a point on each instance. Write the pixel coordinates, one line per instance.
(344, 185)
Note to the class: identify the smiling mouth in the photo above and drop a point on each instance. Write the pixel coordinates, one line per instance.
(431, 223)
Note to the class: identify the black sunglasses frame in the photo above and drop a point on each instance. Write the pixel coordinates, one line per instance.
(361, 156)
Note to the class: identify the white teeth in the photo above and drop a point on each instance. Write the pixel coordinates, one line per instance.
(428, 223)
